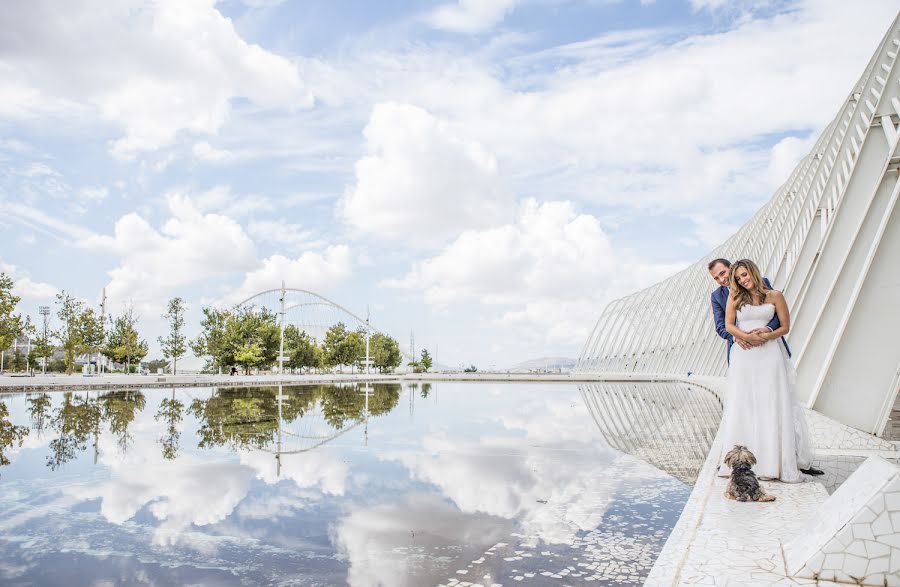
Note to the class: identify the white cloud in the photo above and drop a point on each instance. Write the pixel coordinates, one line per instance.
(470, 16)
(375, 540)
(221, 200)
(278, 232)
(190, 246)
(311, 270)
(32, 292)
(549, 250)
(152, 68)
(206, 152)
(554, 266)
(420, 182)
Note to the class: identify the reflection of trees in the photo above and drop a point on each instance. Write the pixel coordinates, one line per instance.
(248, 417)
(39, 408)
(79, 418)
(120, 408)
(75, 420)
(9, 434)
(171, 411)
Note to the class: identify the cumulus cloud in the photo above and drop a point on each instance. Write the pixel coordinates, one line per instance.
(190, 246)
(553, 264)
(206, 152)
(470, 16)
(152, 68)
(420, 182)
(374, 540)
(32, 292)
(549, 250)
(312, 270)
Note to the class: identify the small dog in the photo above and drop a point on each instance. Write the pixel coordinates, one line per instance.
(743, 485)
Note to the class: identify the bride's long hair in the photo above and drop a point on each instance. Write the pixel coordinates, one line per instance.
(739, 293)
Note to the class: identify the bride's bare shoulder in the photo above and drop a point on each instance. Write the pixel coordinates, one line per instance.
(774, 295)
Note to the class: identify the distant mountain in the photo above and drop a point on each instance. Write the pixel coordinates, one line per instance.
(554, 364)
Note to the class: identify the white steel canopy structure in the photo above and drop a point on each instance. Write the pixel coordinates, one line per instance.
(830, 239)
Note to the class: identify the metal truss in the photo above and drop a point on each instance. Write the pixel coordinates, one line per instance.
(830, 239)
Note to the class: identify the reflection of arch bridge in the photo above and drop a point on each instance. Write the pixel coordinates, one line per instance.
(309, 312)
(668, 425)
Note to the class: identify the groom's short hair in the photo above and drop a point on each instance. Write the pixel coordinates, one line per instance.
(715, 262)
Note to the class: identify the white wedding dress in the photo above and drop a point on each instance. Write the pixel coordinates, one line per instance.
(761, 411)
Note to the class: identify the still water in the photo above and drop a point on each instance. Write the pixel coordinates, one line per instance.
(359, 485)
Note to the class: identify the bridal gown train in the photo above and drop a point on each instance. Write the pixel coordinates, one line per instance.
(761, 411)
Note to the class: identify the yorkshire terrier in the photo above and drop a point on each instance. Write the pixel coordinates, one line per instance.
(743, 485)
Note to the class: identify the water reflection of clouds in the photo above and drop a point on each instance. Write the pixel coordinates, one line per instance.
(547, 476)
(402, 543)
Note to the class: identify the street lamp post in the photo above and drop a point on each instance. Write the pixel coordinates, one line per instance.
(45, 314)
(281, 344)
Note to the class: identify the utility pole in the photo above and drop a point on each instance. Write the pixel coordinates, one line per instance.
(45, 314)
(102, 329)
(368, 360)
(281, 346)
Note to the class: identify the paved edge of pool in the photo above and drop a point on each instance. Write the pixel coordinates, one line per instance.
(716, 542)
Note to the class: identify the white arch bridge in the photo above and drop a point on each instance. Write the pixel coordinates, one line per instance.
(310, 312)
(830, 239)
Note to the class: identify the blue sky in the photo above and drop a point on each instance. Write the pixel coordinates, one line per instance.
(486, 173)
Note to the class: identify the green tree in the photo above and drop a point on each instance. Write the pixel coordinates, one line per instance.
(425, 360)
(334, 347)
(355, 348)
(174, 344)
(92, 336)
(42, 348)
(212, 341)
(12, 325)
(252, 338)
(123, 343)
(155, 364)
(385, 352)
(70, 333)
(300, 348)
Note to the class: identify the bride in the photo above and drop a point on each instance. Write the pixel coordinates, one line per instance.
(761, 412)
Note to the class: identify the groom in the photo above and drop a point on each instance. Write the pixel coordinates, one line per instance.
(720, 270)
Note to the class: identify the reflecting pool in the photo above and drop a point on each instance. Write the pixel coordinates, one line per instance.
(363, 485)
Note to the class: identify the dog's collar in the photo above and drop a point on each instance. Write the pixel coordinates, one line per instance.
(742, 467)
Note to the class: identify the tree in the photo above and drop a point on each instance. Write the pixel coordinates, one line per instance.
(252, 338)
(425, 360)
(212, 341)
(355, 348)
(155, 364)
(174, 344)
(300, 348)
(333, 346)
(70, 333)
(42, 348)
(385, 352)
(91, 326)
(11, 325)
(123, 343)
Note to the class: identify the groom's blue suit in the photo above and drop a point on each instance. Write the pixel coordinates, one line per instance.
(719, 299)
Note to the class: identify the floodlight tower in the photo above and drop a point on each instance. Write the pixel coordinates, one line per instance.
(45, 314)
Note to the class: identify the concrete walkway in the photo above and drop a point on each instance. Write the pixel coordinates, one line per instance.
(723, 542)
